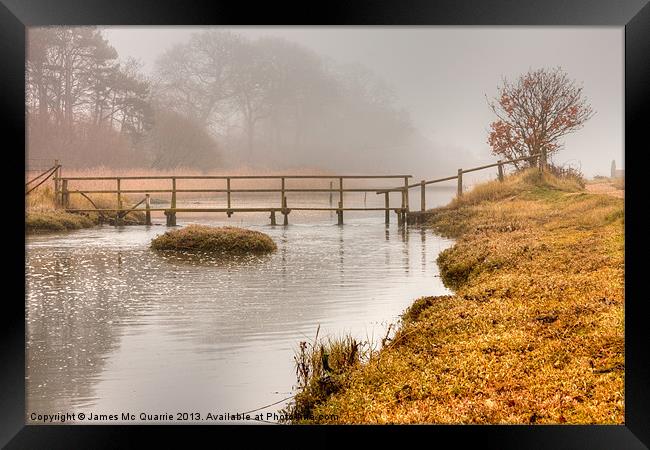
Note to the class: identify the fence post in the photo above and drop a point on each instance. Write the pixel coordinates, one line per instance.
(65, 195)
(118, 217)
(423, 201)
(340, 211)
(406, 192)
(147, 204)
(500, 166)
(387, 205)
(284, 211)
(229, 213)
(56, 182)
(331, 184)
(460, 183)
(171, 215)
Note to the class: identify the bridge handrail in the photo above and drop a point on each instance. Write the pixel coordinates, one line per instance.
(453, 177)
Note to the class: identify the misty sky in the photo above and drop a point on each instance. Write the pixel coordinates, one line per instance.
(442, 74)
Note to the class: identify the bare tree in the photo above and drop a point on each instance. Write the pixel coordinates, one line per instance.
(196, 76)
(535, 112)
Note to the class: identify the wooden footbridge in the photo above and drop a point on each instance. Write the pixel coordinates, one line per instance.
(338, 184)
(63, 192)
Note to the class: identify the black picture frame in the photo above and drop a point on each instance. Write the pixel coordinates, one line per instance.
(16, 15)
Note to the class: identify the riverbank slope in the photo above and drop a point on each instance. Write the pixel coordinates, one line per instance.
(534, 332)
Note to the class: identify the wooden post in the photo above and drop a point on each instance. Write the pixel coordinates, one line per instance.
(282, 195)
(118, 217)
(64, 195)
(228, 195)
(387, 205)
(56, 182)
(284, 211)
(332, 184)
(147, 204)
(400, 217)
(423, 202)
(273, 217)
(460, 183)
(500, 166)
(406, 193)
(171, 214)
(340, 211)
(542, 160)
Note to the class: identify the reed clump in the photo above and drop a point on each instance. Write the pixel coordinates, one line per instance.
(321, 366)
(207, 239)
(534, 332)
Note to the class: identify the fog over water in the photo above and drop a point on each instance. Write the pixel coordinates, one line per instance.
(440, 77)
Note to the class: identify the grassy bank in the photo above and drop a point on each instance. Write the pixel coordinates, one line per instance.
(42, 215)
(534, 332)
(206, 239)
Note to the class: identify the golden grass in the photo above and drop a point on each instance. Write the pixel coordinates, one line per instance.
(206, 239)
(534, 332)
(42, 214)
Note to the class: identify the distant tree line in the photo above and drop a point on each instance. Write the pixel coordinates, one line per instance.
(217, 99)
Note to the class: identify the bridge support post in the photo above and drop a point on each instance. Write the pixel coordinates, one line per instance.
(273, 217)
(387, 205)
(147, 203)
(339, 213)
(171, 218)
(400, 217)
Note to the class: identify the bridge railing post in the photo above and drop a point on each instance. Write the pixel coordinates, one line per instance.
(57, 181)
(65, 196)
(500, 167)
(285, 211)
(171, 214)
(340, 211)
(331, 187)
(147, 204)
(118, 216)
(387, 206)
(423, 201)
(460, 183)
(229, 213)
(406, 193)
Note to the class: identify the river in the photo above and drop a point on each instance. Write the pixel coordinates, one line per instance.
(113, 327)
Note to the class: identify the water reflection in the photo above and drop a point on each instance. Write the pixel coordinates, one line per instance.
(114, 326)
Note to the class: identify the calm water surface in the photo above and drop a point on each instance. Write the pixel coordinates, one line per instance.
(113, 327)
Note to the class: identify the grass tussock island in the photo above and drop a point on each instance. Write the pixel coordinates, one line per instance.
(533, 334)
(43, 216)
(206, 239)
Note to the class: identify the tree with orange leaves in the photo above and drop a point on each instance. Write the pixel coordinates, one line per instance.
(534, 113)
